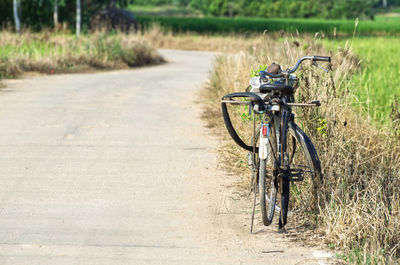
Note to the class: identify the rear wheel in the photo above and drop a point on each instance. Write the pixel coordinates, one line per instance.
(285, 194)
(305, 167)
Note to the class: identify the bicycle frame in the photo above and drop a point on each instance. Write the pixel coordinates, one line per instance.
(278, 119)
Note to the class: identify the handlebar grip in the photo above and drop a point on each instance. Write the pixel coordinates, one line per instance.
(322, 58)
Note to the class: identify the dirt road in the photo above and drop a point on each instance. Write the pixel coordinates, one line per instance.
(118, 168)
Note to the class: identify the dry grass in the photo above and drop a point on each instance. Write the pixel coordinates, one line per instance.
(162, 38)
(359, 206)
(54, 53)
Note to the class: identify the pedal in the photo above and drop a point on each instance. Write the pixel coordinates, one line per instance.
(297, 176)
(315, 102)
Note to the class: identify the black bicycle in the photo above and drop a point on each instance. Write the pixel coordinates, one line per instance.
(280, 152)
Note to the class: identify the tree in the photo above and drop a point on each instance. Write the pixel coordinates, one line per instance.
(78, 17)
(16, 16)
(55, 15)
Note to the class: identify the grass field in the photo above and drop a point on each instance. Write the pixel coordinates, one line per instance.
(54, 53)
(162, 10)
(241, 25)
(377, 82)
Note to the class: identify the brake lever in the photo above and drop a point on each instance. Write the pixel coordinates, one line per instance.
(315, 64)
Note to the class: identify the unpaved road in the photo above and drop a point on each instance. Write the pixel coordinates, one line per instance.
(118, 168)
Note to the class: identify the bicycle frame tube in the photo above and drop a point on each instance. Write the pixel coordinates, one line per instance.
(285, 114)
(280, 122)
(277, 124)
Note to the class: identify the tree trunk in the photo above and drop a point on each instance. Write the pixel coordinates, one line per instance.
(78, 18)
(384, 3)
(16, 17)
(55, 15)
(111, 4)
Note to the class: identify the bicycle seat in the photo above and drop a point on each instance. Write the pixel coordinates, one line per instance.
(266, 88)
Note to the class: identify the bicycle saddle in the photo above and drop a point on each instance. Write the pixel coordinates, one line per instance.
(274, 69)
(266, 88)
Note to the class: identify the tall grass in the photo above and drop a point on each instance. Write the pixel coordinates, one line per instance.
(359, 208)
(51, 53)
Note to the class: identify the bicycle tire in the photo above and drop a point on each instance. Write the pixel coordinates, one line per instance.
(268, 192)
(309, 161)
(285, 196)
(267, 188)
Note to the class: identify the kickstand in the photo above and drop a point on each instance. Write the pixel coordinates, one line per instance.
(254, 175)
(254, 208)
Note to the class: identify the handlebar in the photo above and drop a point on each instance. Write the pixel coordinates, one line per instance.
(289, 71)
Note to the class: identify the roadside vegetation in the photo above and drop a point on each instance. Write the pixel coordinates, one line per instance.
(51, 53)
(293, 25)
(359, 209)
(327, 9)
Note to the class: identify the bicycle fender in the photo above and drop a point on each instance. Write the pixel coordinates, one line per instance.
(264, 140)
(232, 131)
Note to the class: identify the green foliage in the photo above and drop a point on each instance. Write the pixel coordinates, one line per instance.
(287, 8)
(254, 72)
(322, 125)
(6, 14)
(357, 255)
(38, 14)
(229, 25)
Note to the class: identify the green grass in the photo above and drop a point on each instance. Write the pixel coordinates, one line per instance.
(379, 80)
(50, 53)
(387, 18)
(163, 10)
(240, 25)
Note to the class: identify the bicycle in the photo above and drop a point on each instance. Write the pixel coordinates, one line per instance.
(280, 152)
